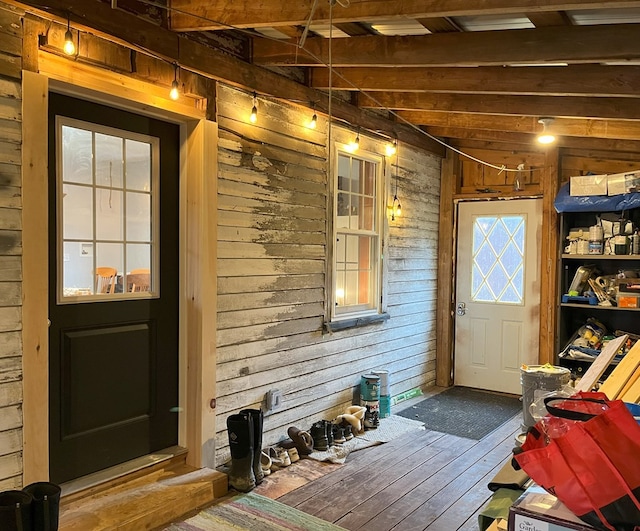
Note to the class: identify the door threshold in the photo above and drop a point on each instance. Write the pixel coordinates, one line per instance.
(115, 474)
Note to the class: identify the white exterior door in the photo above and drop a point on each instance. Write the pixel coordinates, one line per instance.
(497, 293)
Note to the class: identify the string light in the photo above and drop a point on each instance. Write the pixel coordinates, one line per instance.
(391, 148)
(396, 207)
(314, 119)
(254, 110)
(69, 48)
(174, 93)
(354, 145)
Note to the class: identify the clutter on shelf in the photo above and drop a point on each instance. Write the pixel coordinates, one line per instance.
(589, 340)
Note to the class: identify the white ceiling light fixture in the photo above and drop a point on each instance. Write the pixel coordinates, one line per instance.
(546, 136)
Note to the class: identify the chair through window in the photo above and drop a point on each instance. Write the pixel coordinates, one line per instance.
(106, 279)
(137, 282)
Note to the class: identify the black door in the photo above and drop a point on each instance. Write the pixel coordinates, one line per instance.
(113, 351)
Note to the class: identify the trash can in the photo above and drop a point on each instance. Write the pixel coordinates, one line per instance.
(539, 380)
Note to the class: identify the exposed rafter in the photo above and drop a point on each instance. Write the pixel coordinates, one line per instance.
(576, 80)
(568, 44)
(204, 14)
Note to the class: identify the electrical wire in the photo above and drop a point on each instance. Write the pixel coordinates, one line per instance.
(343, 3)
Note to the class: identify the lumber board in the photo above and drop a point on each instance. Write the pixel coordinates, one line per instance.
(622, 373)
(633, 394)
(597, 368)
(630, 382)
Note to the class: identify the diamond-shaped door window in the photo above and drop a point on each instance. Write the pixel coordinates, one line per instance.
(497, 273)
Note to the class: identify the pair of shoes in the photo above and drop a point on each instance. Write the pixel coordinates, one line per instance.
(302, 440)
(279, 457)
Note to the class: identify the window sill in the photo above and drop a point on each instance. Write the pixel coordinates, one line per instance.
(356, 322)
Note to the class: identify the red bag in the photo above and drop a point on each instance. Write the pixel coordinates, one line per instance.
(586, 452)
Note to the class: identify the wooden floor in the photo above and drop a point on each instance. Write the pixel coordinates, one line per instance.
(422, 481)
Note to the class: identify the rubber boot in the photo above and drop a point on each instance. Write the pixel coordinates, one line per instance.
(240, 430)
(257, 420)
(45, 506)
(15, 511)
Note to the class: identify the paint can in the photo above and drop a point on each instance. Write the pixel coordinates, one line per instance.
(369, 388)
(537, 381)
(370, 399)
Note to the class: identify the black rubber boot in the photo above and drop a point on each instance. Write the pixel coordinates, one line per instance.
(15, 511)
(257, 420)
(45, 506)
(240, 429)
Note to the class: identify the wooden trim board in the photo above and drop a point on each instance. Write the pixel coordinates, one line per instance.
(622, 373)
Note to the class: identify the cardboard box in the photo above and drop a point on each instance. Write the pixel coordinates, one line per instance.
(627, 300)
(623, 183)
(588, 185)
(537, 510)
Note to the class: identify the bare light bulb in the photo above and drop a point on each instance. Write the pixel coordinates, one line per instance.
(391, 149)
(69, 48)
(254, 115)
(354, 144)
(314, 121)
(546, 137)
(174, 93)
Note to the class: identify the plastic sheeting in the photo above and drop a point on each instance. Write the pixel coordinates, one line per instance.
(564, 202)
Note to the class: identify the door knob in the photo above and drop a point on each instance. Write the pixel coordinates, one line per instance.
(461, 308)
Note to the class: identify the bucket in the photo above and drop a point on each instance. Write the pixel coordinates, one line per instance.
(384, 381)
(385, 406)
(369, 388)
(539, 380)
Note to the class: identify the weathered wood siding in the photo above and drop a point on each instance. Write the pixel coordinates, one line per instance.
(272, 260)
(10, 249)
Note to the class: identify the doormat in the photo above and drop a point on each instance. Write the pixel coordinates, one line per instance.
(252, 512)
(464, 412)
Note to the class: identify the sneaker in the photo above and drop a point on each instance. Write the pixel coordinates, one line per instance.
(279, 457)
(328, 427)
(348, 433)
(293, 455)
(265, 463)
(319, 435)
(338, 434)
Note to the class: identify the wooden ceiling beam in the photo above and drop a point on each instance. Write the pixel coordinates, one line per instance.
(552, 18)
(501, 137)
(614, 129)
(439, 24)
(576, 80)
(567, 106)
(201, 15)
(565, 44)
(126, 29)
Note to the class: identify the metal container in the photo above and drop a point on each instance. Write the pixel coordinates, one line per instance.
(369, 388)
(539, 380)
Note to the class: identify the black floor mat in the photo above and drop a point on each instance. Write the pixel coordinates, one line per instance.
(464, 412)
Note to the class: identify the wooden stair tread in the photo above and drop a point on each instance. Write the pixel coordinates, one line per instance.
(145, 502)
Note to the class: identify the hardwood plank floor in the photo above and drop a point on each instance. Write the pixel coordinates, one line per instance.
(423, 481)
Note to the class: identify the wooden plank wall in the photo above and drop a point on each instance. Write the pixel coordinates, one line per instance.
(272, 259)
(10, 250)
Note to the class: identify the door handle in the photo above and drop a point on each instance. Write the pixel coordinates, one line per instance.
(461, 308)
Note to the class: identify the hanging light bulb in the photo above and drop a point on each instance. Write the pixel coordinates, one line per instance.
(314, 121)
(391, 148)
(69, 48)
(254, 110)
(354, 145)
(174, 93)
(396, 207)
(546, 137)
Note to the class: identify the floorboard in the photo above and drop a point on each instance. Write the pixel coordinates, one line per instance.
(423, 481)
